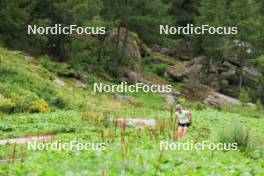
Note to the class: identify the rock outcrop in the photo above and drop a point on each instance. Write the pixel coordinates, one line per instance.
(134, 77)
(220, 100)
(183, 53)
(59, 82)
(138, 123)
(178, 73)
(132, 48)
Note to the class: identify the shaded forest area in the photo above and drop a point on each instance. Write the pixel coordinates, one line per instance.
(232, 64)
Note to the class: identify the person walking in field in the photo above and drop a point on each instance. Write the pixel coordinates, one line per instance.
(184, 118)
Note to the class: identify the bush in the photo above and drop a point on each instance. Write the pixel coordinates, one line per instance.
(24, 100)
(236, 134)
(159, 69)
(39, 106)
(65, 70)
(259, 105)
(199, 106)
(6, 105)
(47, 63)
(244, 96)
(62, 69)
(59, 101)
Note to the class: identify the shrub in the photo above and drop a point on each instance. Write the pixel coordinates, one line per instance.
(6, 105)
(62, 69)
(159, 69)
(59, 101)
(24, 100)
(199, 106)
(47, 63)
(236, 134)
(244, 96)
(39, 106)
(259, 105)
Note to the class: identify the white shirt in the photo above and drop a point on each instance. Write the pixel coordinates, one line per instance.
(183, 116)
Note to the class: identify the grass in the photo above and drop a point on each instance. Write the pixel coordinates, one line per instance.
(142, 154)
(129, 151)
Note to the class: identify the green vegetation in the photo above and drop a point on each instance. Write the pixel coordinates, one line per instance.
(139, 153)
(46, 87)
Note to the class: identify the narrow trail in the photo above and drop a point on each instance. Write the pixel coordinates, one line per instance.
(25, 139)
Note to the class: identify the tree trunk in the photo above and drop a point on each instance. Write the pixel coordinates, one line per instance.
(60, 49)
(125, 43)
(241, 66)
(102, 42)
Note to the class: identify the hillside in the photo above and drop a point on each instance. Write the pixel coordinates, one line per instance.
(131, 87)
(30, 88)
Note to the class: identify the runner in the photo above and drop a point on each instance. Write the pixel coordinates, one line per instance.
(184, 121)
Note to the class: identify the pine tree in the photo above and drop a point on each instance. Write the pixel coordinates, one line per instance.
(211, 13)
(245, 14)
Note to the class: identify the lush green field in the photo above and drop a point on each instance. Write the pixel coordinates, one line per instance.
(78, 114)
(137, 155)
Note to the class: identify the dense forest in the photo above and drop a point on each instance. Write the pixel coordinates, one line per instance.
(95, 52)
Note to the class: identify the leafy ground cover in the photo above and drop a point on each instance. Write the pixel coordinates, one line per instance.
(129, 151)
(136, 155)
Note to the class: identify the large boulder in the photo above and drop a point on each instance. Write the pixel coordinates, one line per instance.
(182, 53)
(133, 46)
(134, 77)
(252, 72)
(177, 72)
(220, 100)
(138, 123)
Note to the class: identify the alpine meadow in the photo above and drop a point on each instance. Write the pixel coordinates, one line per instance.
(131, 87)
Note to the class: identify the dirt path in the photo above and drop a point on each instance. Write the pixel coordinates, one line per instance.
(25, 139)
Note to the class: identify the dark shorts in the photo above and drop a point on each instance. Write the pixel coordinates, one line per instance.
(184, 124)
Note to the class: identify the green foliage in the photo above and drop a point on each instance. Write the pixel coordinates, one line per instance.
(238, 134)
(13, 17)
(47, 63)
(158, 69)
(61, 69)
(191, 104)
(20, 100)
(6, 105)
(244, 96)
(39, 106)
(258, 62)
(184, 12)
(59, 101)
(245, 111)
(259, 105)
(27, 87)
(25, 90)
(68, 126)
